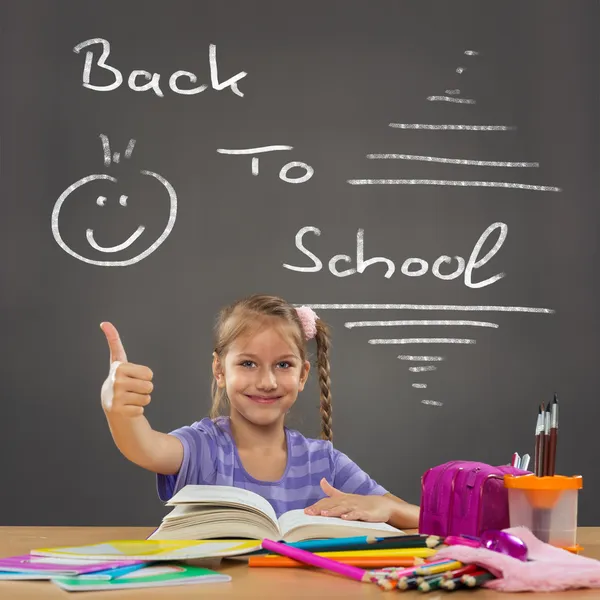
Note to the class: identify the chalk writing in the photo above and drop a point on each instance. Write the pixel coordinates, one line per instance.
(153, 82)
(283, 174)
(466, 268)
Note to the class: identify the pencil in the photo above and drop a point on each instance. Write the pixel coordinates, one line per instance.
(451, 584)
(365, 562)
(462, 571)
(400, 573)
(406, 583)
(410, 573)
(441, 567)
(318, 561)
(430, 584)
(477, 578)
(553, 437)
(417, 540)
(546, 467)
(387, 585)
(384, 552)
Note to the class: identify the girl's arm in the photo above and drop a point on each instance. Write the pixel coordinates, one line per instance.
(138, 442)
(385, 508)
(404, 515)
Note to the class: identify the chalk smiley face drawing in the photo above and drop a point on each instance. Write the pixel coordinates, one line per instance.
(101, 200)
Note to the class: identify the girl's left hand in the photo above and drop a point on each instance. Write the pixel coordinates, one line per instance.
(352, 507)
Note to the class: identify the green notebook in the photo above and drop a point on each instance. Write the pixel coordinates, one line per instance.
(152, 576)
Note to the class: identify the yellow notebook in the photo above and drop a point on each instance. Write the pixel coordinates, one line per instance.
(153, 549)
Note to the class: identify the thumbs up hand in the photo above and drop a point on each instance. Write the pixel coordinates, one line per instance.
(128, 386)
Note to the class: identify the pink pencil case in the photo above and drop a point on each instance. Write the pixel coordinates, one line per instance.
(464, 498)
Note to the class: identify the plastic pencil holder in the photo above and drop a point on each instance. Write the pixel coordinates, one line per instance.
(545, 505)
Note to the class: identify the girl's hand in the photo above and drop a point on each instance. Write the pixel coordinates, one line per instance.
(352, 507)
(127, 388)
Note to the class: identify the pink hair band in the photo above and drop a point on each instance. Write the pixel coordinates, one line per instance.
(308, 319)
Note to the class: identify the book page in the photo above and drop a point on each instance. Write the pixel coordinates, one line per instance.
(294, 519)
(223, 495)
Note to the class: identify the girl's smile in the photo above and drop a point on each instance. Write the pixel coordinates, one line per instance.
(263, 399)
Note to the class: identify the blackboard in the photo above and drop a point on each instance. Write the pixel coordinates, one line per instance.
(400, 130)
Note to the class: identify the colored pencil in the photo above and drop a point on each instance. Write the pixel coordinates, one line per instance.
(461, 571)
(365, 542)
(407, 583)
(553, 437)
(368, 543)
(318, 561)
(438, 568)
(387, 585)
(400, 573)
(408, 577)
(356, 561)
(453, 579)
(477, 578)
(430, 584)
(384, 552)
(452, 584)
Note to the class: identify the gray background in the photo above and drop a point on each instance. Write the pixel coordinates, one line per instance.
(326, 78)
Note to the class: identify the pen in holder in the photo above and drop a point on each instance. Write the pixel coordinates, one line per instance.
(545, 505)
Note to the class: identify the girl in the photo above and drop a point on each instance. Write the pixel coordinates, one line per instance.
(259, 367)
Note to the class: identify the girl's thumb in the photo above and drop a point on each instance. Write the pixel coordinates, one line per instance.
(329, 489)
(117, 351)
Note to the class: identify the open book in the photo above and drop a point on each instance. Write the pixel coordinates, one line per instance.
(214, 511)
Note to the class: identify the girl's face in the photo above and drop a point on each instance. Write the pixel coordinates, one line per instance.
(262, 373)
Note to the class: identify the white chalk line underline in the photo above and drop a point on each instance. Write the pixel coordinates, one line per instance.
(422, 369)
(454, 161)
(351, 324)
(461, 307)
(450, 99)
(257, 150)
(420, 358)
(452, 182)
(452, 127)
(422, 341)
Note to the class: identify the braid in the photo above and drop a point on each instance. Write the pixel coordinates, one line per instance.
(323, 344)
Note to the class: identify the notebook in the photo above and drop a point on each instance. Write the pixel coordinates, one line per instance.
(41, 567)
(212, 511)
(152, 576)
(152, 550)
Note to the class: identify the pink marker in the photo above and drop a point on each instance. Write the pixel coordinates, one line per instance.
(322, 562)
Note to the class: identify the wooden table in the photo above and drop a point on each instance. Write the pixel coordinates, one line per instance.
(246, 583)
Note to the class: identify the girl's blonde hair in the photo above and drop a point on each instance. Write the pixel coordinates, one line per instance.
(237, 318)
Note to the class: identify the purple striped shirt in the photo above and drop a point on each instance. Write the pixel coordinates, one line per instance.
(210, 457)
